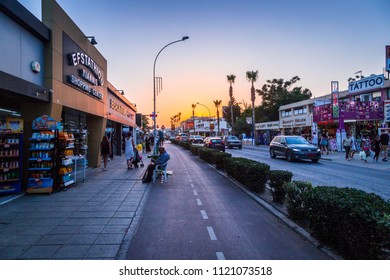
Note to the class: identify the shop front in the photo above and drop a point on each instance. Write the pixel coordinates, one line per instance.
(22, 88)
(121, 116)
(266, 131)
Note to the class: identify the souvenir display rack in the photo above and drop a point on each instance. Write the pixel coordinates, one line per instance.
(41, 161)
(64, 161)
(10, 161)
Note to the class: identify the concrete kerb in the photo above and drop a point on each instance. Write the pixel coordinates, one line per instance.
(126, 243)
(280, 215)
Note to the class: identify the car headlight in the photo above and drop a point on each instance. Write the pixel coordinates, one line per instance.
(296, 150)
(318, 150)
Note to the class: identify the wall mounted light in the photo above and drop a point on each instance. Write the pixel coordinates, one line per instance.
(92, 40)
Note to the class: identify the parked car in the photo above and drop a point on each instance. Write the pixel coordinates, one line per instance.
(215, 143)
(232, 142)
(196, 139)
(293, 147)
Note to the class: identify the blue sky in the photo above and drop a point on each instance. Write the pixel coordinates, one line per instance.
(319, 41)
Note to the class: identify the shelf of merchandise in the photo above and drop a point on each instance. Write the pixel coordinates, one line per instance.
(64, 162)
(41, 162)
(10, 162)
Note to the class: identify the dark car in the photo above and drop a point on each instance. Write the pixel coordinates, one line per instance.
(215, 143)
(293, 147)
(196, 139)
(232, 142)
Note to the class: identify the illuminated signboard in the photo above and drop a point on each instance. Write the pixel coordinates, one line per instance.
(80, 70)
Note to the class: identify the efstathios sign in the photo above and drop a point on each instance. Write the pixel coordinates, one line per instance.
(366, 84)
(80, 70)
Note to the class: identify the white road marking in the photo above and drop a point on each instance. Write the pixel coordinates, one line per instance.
(211, 233)
(195, 192)
(190, 180)
(192, 186)
(199, 202)
(220, 256)
(204, 215)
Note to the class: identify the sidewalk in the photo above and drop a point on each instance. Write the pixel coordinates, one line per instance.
(93, 220)
(339, 157)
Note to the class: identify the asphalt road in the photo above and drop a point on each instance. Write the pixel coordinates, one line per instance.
(200, 215)
(325, 172)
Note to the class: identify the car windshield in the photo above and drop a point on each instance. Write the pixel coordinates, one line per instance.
(216, 140)
(296, 140)
(232, 138)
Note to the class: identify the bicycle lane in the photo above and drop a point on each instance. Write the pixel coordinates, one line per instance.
(200, 214)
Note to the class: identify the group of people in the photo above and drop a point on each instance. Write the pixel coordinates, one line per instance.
(378, 145)
(131, 154)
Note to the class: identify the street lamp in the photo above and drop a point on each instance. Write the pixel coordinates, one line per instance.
(154, 91)
(206, 108)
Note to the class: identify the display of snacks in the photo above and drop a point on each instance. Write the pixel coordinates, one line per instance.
(10, 162)
(65, 152)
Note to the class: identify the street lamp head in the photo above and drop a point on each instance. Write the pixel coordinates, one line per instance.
(185, 38)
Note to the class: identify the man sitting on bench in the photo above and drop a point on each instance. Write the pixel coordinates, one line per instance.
(162, 159)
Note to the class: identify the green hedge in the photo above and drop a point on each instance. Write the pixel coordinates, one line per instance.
(276, 180)
(194, 149)
(353, 222)
(250, 173)
(296, 192)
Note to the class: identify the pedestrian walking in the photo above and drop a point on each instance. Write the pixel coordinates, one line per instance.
(377, 147)
(129, 150)
(366, 147)
(324, 143)
(347, 143)
(353, 147)
(105, 149)
(384, 138)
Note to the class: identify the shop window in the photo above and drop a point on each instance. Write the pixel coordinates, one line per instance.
(388, 94)
(376, 96)
(286, 113)
(365, 97)
(300, 111)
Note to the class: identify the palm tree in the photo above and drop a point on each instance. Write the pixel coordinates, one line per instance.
(251, 76)
(193, 115)
(217, 103)
(231, 78)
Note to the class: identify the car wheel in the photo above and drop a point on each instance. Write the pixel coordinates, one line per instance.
(272, 153)
(289, 156)
(314, 160)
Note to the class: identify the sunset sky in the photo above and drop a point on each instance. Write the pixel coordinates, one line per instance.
(319, 41)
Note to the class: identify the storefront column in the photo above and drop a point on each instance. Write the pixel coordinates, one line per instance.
(96, 129)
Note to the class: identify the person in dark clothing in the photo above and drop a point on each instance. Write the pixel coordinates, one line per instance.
(384, 143)
(377, 147)
(163, 158)
(105, 149)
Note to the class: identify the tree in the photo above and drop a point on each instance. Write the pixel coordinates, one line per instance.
(276, 93)
(227, 114)
(217, 103)
(251, 76)
(231, 78)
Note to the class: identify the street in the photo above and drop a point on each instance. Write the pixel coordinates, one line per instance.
(369, 177)
(199, 214)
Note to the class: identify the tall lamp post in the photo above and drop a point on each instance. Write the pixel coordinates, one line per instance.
(154, 92)
(206, 108)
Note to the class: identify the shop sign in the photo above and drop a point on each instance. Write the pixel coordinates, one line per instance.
(335, 98)
(80, 70)
(117, 107)
(387, 58)
(387, 111)
(267, 125)
(369, 83)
